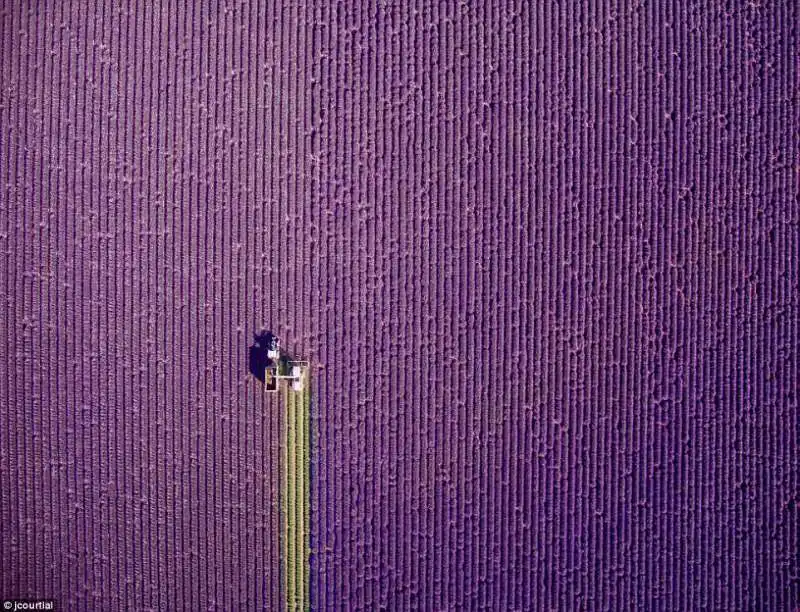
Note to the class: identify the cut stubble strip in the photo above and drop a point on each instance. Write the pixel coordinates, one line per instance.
(296, 455)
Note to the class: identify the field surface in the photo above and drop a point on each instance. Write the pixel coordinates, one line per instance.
(543, 258)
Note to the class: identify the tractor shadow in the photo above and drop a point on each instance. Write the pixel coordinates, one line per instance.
(259, 358)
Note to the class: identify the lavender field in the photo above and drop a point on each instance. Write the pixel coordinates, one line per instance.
(543, 258)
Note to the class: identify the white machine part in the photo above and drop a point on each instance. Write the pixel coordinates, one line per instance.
(298, 376)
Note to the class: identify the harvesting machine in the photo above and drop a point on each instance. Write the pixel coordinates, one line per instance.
(280, 367)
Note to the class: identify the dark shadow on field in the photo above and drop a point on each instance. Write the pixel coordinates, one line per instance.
(259, 358)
